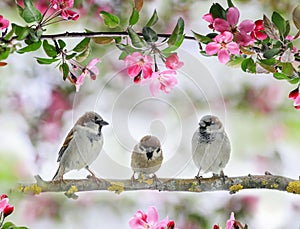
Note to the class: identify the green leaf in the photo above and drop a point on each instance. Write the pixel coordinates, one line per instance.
(248, 65)
(270, 28)
(134, 17)
(82, 45)
(149, 35)
(280, 76)
(110, 20)
(4, 52)
(20, 31)
(287, 69)
(135, 38)
(280, 23)
(271, 53)
(127, 48)
(172, 48)
(50, 50)
(65, 70)
(294, 81)
(29, 13)
(103, 40)
(45, 60)
(152, 21)
(268, 61)
(201, 38)
(61, 44)
(177, 36)
(287, 28)
(296, 17)
(235, 62)
(217, 11)
(68, 57)
(82, 56)
(267, 67)
(229, 3)
(8, 225)
(30, 48)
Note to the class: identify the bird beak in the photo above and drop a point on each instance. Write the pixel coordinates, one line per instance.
(202, 124)
(102, 123)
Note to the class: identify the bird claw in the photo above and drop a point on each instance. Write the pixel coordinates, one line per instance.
(156, 180)
(221, 175)
(96, 179)
(198, 179)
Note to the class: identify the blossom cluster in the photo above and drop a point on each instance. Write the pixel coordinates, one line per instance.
(141, 220)
(232, 35)
(140, 68)
(5, 208)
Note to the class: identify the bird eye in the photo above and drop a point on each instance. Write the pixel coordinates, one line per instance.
(158, 149)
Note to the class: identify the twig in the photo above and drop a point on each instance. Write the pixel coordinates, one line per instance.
(101, 34)
(231, 184)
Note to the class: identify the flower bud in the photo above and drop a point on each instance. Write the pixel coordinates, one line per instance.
(8, 210)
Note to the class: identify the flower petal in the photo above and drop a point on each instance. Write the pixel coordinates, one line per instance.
(221, 25)
(230, 222)
(152, 215)
(208, 17)
(134, 70)
(69, 15)
(80, 81)
(233, 15)
(243, 39)
(92, 63)
(3, 204)
(223, 56)
(147, 71)
(212, 48)
(297, 101)
(294, 94)
(226, 36)
(260, 35)
(172, 62)
(233, 48)
(246, 26)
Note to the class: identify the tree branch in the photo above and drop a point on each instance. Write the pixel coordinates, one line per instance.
(231, 184)
(101, 34)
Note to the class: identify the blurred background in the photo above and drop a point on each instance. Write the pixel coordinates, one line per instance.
(37, 109)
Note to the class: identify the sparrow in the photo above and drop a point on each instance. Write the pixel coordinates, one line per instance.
(147, 156)
(210, 146)
(82, 145)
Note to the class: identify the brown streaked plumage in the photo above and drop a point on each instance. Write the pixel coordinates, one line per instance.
(82, 145)
(147, 156)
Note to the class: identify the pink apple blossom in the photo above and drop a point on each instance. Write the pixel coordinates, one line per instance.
(63, 6)
(242, 32)
(3, 204)
(164, 81)
(224, 46)
(5, 208)
(258, 31)
(294, 95)
(230, 222)
(139, 65)
(141, 220)
(210, 19)
(173, 62)
(90, 70)
(3, 23)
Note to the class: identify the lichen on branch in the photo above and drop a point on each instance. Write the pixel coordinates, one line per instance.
(230, 184)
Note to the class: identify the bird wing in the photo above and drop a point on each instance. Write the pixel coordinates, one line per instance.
(65, 144)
